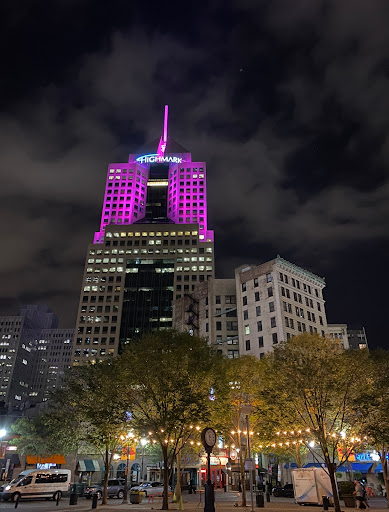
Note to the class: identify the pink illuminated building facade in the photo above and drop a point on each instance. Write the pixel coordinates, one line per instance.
(153, 247)
(128, 187)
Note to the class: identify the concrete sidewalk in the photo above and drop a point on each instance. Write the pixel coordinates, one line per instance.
(224, 502)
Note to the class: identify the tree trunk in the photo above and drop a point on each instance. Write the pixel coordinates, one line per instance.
(106, 475)
(178, 484)
(331, 471)
(165, 495)
(298, 455)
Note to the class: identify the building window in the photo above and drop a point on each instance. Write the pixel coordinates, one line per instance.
(256, 296)
(268, 277)
(218, 326)
(273, 321)
(259, 326)
(255, 282)
(271, 307)
(260, 342)
(258, 310)
(232, 326)
(230, 299)
(270, 291)
(247, 344)
(245, 315)
(244, 301)
(275, 338)
(243, 287)
(247, 329)
(218, 299)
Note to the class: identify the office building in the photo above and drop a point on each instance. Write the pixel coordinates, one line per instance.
(275, 301)
(153, 246)
(350, 338)
(210, 311)
(34, 354)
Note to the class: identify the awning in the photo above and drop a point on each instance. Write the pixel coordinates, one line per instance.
(53, 459)
(13, 459)
(314, 465)
(358, 467)
(88, 465)
(291, 465)
(378, 469)
(361, 468)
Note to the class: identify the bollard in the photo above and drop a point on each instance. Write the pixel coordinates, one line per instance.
(94, 501)
(268, 496)
(225, 488)
(17, 500)
(326, 503)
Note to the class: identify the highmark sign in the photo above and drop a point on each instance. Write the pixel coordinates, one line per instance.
(154, 158)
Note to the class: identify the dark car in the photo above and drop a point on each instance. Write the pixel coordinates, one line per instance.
(284, 492)
(115, 489)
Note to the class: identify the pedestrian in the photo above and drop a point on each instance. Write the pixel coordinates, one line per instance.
(360, 495)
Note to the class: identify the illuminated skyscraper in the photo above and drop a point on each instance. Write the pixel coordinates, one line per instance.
(153, 246)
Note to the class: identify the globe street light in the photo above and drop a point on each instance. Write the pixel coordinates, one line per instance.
(143, 442)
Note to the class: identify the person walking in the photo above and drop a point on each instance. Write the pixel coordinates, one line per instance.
(360, 495)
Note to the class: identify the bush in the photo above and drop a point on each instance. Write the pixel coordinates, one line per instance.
(346, 487)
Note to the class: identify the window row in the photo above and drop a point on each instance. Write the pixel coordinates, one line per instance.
(260, 342)
(94, 352)
(284, 278)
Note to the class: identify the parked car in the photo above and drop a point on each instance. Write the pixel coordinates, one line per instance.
(115, 489)
(149, 487)
(284, 492)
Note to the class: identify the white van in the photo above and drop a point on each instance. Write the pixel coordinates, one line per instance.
(37, 483)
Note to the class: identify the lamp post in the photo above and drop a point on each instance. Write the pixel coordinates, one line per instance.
(143, 442)
(126, 441)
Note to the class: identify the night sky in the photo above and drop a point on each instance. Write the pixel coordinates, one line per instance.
(287, 102)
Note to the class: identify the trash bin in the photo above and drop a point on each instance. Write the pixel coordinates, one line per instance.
(259, 499)
(326, 503)
(73, 498)
(94, 500)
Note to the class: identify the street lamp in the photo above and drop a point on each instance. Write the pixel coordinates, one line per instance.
(143, 442)
(126, 441)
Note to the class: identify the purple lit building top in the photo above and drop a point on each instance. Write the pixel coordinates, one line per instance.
(180, 181)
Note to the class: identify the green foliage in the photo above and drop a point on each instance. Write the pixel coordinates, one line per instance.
(169, 375)
(43, 435)
(346, 487)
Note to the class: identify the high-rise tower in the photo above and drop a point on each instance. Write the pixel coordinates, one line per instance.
(153, 247)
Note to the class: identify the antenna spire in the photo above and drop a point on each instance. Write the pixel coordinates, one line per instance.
(163, 140)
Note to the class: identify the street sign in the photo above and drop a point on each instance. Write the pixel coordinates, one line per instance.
(249, 464)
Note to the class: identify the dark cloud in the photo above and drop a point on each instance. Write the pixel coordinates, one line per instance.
(286, 102)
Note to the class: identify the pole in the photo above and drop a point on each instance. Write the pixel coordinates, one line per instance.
(209, 502)
(143, 456)
(125, 497)
(249, 456)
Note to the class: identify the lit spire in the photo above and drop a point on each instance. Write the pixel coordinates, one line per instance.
(163, 140)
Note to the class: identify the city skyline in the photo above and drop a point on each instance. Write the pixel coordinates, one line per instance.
(287, 106)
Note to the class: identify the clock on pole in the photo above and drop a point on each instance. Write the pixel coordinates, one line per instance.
(208, 438)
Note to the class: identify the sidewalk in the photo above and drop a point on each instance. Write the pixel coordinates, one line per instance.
(224, 502)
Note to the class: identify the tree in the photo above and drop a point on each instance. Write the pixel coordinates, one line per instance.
(312, 379)
(373, 407)
(242, 379)
(44, 435)
(93, 400)
(170, 375)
